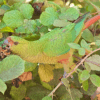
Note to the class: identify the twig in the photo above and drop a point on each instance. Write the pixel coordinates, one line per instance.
(87, 60)
(60, 83)
(73, 70)
(52, 96)
(95, 13)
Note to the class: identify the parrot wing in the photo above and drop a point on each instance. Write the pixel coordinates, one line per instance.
(57, 40)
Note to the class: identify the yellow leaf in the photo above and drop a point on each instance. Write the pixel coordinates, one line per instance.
(58, 65)
(1, 35)
(59, 2)
(45, 72)
(6, 29)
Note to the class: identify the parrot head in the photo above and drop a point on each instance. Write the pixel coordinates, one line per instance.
(13, 40)
(16, 44)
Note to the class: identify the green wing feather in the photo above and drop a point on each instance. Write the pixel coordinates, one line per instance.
(56, 40)
(56, 43)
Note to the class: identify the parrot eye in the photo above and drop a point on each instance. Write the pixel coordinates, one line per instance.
(16, 43)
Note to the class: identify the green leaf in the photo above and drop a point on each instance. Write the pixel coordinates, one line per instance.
(88, 68)
(29, 66)
(27, 10)
(97, 37)
(2, 25)
(13, 18)
(97, 42)
(53, 5)
(57, 74)
(5, 7)
(16, 6)
(60, 23)
(20, 29)
(96, 7)
(43, 29)
(63, 9)
(79, 74)
(2, 97)
(60, 91)
(47, 98)
(76, 95)
(85, 45)
(65, 82)
(35, 72)
(13, 67)
(1, 42)
(81, 51)
(87, 35)
(18, 93)
(79, 70)
(3, 86)
(38, 23)
(84, 75)
(96, 59)
(70, 14)
(85, 85)
(74, 45)
(29, 25)
(29, 83)
(76, 80)
(37, 92)
(91, 89)
(95, 79)
(6, 29)
(46, 85)
(47, 18)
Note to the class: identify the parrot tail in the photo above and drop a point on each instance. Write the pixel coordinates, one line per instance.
(91, 21)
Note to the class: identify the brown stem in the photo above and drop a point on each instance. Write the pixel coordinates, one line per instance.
(87, 60)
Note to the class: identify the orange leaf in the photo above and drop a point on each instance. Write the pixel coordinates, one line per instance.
(98, 96)
(25, 76)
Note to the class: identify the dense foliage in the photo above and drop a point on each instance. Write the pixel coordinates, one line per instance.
(31, 21)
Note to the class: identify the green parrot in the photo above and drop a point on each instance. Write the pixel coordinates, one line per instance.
(51, 48)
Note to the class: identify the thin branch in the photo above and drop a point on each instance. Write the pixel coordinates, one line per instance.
(87, 60)
(60, 83)
(52, 96)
